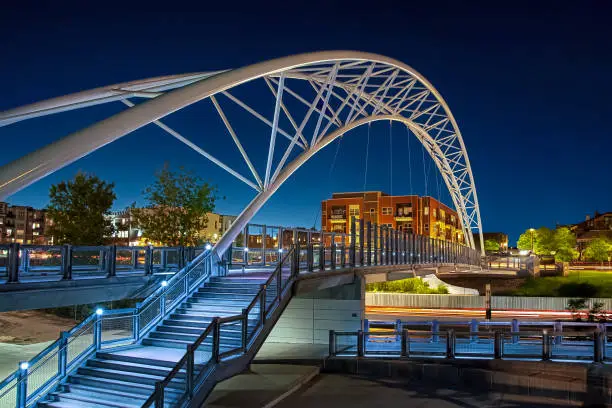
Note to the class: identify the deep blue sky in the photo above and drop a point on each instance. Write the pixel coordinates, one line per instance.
(529, 85)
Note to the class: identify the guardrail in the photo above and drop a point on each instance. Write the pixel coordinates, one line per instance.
(42, 263)
(101, 330)
(367, 244)
(583, 346)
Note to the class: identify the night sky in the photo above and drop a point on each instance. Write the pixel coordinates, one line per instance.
(529, 85)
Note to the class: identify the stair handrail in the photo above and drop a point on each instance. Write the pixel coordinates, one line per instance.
(17, 381)
(157, 397)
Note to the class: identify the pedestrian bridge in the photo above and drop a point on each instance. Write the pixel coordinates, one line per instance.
(36, 277)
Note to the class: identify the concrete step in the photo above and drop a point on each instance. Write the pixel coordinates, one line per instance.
(137, 378)
(71, 404)
(131, 359)
(206, 312)
(197, 331)
(227, 295)
(225, 339)
(181, 344)
(111, 384)
(212, 308)
(106, 394)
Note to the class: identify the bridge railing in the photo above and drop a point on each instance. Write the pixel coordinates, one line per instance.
(367, 244)
(587, 346)
(42, 263)
(104, 329)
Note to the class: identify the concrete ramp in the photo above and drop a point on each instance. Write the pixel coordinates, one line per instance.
(434, 282)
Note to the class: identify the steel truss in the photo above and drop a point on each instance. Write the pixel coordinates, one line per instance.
(314, 99)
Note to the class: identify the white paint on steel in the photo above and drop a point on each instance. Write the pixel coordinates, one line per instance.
(372, 87)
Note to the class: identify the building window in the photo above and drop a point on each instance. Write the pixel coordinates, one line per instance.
(426, 227)
(387, 211)
(35, 233)
(426, 210)
(354, 210)
(372, 211)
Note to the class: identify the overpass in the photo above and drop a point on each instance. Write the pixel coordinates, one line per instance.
(205, 323)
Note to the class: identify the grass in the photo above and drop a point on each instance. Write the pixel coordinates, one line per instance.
(578, 284)
(410, 285)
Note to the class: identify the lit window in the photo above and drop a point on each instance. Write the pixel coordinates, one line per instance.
(426, 210)
(35, 233)
(354, 210)
(387, 211)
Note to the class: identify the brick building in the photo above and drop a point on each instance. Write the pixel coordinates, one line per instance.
(22, 224)
(414, 214)
(597, 226)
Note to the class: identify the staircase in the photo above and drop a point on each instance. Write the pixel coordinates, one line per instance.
(127, 378)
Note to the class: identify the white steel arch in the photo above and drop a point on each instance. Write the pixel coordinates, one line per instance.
(336, 90)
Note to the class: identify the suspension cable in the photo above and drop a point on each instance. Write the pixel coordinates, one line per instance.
(409, 159)
(331, 170)
(365, 175)
(391, 156)
(424, 172)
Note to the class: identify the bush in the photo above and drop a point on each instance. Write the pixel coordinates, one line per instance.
(578, 289)
(410, 285)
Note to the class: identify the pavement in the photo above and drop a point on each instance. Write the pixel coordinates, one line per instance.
(12, 354)
(334, 390)
(264, 385)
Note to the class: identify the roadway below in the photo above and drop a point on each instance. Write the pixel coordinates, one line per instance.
(411, 314)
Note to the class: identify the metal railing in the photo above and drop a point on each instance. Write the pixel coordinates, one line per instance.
(211, 348)
(102, 330)
(44, 263)
(368, 244)
(581, 346)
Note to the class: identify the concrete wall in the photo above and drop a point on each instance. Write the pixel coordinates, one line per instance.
(309, 318)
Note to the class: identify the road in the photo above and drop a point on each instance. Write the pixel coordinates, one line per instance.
(410, 314)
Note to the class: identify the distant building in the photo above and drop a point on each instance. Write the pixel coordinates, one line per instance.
(499, 237)
(600, 225)
(413, 214)
(128, 233)
(23, 225)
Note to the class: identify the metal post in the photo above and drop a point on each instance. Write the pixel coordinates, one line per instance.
(162, 301)
(22, 384)
(148, 260)
(499, 345)
(190, 369)
(135, 322)
(310, 257)
(450, 344)
(333, 251)
(366, 328)
(332, 343)
(262, 304)
(111, 260)
(545, 345)
(13, 263)
(295, 264)
(558, 329)
(597, 346)
(159, 394)
(353, 248)
(405, 351)
(216, 340)
(62, 354)
(98, 332)
(515, 329)
(375, 244)
(322, 253)
(66, 266)
(369, 239)
(474, 331)
(360, 345)
(245, 326)
(135, 258)
(398, 328)
(361, 242)
(435, 328)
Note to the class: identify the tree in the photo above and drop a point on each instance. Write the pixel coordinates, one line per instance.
(565, 245)
(599, 250)
(576, 306)
(491, 245)
(524, 241)
(177, 203)
(79, 210)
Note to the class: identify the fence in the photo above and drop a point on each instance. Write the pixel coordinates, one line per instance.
(475, 302)
(40, 263)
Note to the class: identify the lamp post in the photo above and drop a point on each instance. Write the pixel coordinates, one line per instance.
(531, 230)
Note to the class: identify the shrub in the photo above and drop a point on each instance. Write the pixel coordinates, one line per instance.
(578, 289)
(410, 285)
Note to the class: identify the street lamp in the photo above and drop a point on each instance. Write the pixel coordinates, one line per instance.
(531, 230)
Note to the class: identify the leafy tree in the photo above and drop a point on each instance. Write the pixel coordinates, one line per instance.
(599, 250)
(491, 245)
(177, 203)
(524, 241)
(79, 208)
(565, 245)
